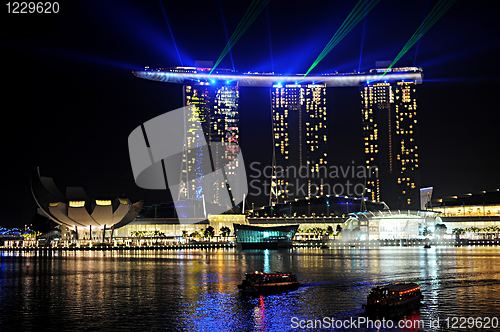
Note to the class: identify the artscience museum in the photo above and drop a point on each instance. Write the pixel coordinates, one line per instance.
(80, 217)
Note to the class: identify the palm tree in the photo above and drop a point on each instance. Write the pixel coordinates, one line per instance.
(440, 229)
(458, 232)
(225, 231)
(495, 230)
(209, 232)
(195, 235)
(318, 231)
(339, 229)
(473, 229)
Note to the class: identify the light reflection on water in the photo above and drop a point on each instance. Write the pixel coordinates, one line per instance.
(196, 290)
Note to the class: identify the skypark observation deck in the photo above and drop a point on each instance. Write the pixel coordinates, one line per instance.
(186, 75)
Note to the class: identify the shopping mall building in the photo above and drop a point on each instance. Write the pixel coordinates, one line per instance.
(479, 209)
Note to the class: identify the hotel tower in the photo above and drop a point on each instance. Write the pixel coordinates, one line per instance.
(216, 108)
(390, 132)
(300, 140)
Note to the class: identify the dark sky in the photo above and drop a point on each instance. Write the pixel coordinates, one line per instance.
(69, 99)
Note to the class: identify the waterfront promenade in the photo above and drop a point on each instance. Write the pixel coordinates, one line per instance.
(332, 244)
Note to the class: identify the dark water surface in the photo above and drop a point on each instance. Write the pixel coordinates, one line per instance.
(196, 290)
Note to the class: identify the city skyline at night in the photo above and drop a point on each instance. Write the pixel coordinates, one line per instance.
(251, 165)
(76, 101)
(299, 128)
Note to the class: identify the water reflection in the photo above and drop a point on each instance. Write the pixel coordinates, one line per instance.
(267, 267)
(196, 290)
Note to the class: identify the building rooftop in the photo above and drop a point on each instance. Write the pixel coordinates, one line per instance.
(185, 75)
(474, 198)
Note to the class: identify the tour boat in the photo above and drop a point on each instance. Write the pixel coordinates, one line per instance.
(393, 297)
(260, 282)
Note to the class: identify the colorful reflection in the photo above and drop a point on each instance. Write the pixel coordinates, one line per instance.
(196, 290)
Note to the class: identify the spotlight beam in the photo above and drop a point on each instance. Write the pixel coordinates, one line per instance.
(362, 42)
(362, 8)
(420, 34)
(171, 34)
(225, 30)
(270, 44)
(253, 11)
(436, 13)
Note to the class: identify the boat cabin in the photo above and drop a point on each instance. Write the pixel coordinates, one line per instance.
(265, 278)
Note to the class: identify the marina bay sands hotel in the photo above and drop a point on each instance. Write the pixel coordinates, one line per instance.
(388, 104)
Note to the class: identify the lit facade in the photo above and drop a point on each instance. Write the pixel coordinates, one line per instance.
(390, 132)
(186, 75)
(217, 110)
(479, 209)
(391, 225)
(300, 139)
(78, 216)
(489, 210)
(255, 237)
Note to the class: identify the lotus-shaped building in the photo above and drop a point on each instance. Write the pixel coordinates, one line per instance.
(79, 216)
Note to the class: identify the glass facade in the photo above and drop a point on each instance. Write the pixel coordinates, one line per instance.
(255, 234)
(469, 210)
(391, 225)
(169, 229)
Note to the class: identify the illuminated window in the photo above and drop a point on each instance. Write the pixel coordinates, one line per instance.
(76, 203)
(123, 201)
(103, 202)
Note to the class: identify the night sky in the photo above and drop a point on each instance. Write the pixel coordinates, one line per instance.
(69, 99)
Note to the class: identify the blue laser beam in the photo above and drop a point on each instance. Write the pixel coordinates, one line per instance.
(168, 24)
(420, 34)
(227, 36)
(270, 44)
(362, 41)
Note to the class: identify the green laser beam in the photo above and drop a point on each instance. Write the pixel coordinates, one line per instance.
(358, 15)
(426, 24)
(253, 11)
(355, 11)
(242, 26)
(436, 13)
(247, 20)
(244, 20)
(360, 10)
(349, 28)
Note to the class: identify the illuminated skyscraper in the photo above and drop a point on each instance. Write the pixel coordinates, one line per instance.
(300, 140)
(217, 110)
(300, 128)
(390, 131)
